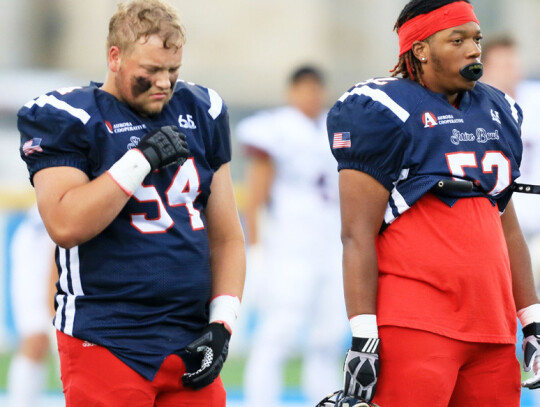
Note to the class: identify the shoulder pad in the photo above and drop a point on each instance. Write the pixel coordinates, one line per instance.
(396, 95)
(206, 98)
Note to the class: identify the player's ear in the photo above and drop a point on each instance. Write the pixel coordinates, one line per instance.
(420, 50)
(114, 58)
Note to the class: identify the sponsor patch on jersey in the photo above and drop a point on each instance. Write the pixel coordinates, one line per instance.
(32, 146)
(430, 120)
(123, 127)
(109, 126)
(342, 140)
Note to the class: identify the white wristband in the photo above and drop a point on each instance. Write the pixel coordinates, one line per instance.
(364, 326)
(529, 314)
(225, 308)
(130, 171)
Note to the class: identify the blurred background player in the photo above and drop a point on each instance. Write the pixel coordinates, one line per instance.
(503, 68)
(32, 254)
(292, 178)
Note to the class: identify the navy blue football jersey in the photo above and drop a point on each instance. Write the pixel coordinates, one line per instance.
(141, 287)
(408, 138)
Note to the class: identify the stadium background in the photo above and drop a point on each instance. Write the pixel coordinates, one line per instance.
(244, 49)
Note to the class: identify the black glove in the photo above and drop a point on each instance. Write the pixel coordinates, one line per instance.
(337, 399)
(354, 402)
(361, 368)
(164, 146)
(214, 346)
(531, 354)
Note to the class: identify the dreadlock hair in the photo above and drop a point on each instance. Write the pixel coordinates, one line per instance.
(408, 65)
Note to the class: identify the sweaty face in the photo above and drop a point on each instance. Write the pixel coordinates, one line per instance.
(147, 75)
(447, 52)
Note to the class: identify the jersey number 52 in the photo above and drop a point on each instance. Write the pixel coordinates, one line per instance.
(457, 162)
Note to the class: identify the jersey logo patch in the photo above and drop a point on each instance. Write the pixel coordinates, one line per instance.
(342, 140)
(495, 116)
(32, 146)
(133, 142)
(109, 126)
(429, 120)
(481, 136)
(123, 127)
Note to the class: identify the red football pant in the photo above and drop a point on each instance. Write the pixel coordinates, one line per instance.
(93, 377)
(422, 369)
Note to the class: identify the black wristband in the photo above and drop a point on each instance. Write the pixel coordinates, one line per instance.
(365, 345)
(531, 329)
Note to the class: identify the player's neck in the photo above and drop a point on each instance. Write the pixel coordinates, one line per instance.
(109, 86)
(453, 97)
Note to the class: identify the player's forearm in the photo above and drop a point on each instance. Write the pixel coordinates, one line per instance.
(82, 212)
(523, 286)
(228, 265)
(360, 276)
(520, 260)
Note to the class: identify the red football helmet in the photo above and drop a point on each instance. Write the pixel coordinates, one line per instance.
(338, 399)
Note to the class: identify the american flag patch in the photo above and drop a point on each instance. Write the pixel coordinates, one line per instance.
(31, 146)
(342, 140)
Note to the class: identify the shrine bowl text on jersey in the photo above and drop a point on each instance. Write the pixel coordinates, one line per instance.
(408, 138)
(150, 297)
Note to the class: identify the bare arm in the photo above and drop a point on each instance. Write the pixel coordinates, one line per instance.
(73, 208)
(363, 203)
(227, 249)
(260, 177)
(520, 260)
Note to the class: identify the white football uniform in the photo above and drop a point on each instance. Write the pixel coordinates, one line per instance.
(526, 205)
(299, 290)
(528, 97)
(32, 254)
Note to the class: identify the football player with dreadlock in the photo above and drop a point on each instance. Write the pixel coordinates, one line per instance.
(433, 282)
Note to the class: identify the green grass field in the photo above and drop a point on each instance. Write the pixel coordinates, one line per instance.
(232, 373)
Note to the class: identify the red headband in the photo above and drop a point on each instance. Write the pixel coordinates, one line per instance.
(424, 25)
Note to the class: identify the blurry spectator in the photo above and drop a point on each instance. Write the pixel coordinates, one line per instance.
(32, 254)
(291, 174)
(503, 68)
